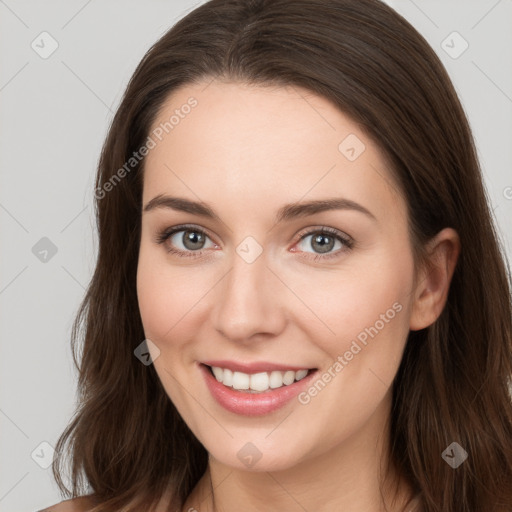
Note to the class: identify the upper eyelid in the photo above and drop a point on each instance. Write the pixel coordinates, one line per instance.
(176, 229)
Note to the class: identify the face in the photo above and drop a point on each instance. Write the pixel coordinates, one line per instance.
(260, 290)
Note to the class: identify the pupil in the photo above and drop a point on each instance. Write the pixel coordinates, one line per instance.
(192, 240)
(324, 246)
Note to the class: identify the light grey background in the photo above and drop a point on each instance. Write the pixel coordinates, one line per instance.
(54, 115)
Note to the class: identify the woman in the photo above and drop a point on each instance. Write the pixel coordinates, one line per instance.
(299, 301)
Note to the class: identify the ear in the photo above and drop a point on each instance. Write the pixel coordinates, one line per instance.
(431, 291)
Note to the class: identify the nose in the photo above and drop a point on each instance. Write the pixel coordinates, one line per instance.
(249, 301)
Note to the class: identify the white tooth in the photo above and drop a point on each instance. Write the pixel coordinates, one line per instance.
(218, 373)
(227, 378)
(276, 379)
(240, 380)
(300, 374)
(259, 381)
(289, 377)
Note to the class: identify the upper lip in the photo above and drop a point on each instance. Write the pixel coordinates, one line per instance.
(254, 367)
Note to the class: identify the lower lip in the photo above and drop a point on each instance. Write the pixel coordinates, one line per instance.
(253, 404)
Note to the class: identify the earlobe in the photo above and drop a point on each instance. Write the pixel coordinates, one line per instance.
(432, 289)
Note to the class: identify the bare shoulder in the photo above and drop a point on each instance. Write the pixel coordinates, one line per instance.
(82, 504)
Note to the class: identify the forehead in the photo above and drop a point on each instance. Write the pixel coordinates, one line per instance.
(256, 145)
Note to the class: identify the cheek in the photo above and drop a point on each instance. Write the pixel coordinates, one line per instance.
(166, 298)
(367, 302)
(367, 310)
(156, 305)
(170, 298)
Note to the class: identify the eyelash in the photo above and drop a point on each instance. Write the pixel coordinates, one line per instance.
(165, 234)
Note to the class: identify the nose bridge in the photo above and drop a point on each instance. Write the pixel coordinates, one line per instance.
(247, 303)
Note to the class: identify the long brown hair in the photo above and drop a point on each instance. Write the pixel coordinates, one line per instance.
(127, 442)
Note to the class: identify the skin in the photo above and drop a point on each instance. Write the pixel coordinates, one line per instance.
(246, 151)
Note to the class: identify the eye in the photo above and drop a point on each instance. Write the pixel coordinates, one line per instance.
(191, 241)
(323, 241)
(186, 241)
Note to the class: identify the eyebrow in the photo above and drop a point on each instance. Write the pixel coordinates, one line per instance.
(286, 212)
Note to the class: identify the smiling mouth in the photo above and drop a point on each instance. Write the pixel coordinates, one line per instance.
(257, 382)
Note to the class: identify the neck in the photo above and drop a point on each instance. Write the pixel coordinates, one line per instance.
(347, 477)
